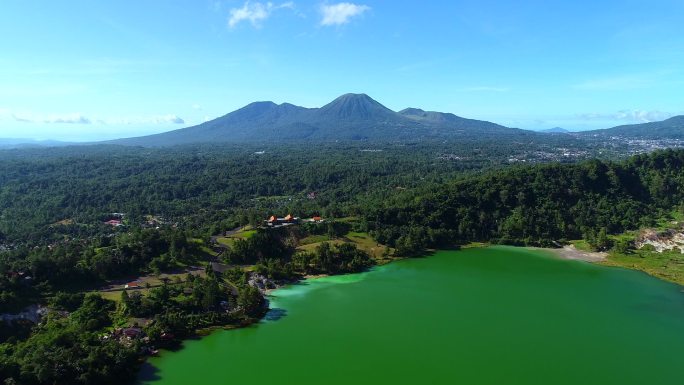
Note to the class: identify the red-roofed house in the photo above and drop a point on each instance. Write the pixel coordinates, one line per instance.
(274, 221)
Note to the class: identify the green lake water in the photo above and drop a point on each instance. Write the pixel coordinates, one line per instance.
(498, 315)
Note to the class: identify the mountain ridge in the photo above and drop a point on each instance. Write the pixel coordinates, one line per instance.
(671, 128)
(12, 143)
(555, 130)
(348, 117)
(358, 117)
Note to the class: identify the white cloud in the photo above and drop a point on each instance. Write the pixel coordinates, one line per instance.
(169, 119)
(77, 118)
(341, 13)
(68, 119)
(65, 118)
(643, 116)
(197, 107)
(631, 116)
(161, 119)
(255, 13)
(23, 118)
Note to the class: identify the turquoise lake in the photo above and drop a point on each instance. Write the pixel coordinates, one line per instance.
(497, 315)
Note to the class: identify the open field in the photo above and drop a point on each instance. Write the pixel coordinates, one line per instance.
(362, 240)
(113, 291)
(311, 239)
(243, 233)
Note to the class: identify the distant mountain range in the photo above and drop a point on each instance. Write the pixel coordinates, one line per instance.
(357, 117)
(349, 117)
(7, 143)
(555, 130)
(672, 128)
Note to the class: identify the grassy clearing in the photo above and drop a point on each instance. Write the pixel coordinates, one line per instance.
(207, 251)
(245, 233)
(667, 265)
(366, 243)
(362, 240)
(64, 222)
(474, 245)
(626, 236)
(313, 246)
(581, 245)
(314, 239)
(226, 241)
(116, 295)
(144, 281)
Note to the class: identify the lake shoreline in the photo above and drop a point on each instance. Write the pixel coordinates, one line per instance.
(266, 293)
(570, 252)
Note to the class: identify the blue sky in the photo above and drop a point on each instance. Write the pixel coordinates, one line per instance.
(87, 70)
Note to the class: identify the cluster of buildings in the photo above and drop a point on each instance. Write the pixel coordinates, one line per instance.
(274, 221)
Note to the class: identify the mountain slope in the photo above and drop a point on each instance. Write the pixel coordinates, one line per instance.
(355, 107)
(555, 130)
(455, 124)
(349, 117)
(672, 128)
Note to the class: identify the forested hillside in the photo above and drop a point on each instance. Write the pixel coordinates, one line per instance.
(672, 128)
(535, 205)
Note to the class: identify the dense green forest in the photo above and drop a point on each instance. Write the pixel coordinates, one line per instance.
(197, 186)
(48, 194)
(539, 205)
(75, 219)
